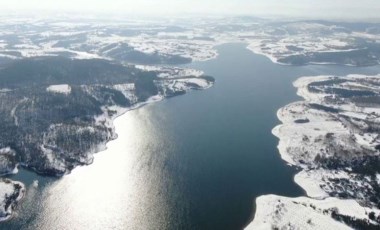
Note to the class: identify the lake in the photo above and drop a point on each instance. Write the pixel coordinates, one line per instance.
(196, 161)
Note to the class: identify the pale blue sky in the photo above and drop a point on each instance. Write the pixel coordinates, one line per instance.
(298, 8)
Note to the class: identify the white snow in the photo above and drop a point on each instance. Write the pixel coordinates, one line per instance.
(308, 180)
(14, 109)
(53, 161)
(35, 184)
(5, 90)
(370, 140)
(302, 213)
(171, 72)
(63, 89)
(361, 116)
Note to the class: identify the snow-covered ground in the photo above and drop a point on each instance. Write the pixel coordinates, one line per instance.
(303, 213)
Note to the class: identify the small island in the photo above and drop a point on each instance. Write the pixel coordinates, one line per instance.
(11, 192)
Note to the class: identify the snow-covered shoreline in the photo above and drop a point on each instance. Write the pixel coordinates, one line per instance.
(120, 111)
(327, 127)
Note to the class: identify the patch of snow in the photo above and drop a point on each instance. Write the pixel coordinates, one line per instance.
(63, 89)
(200, 82)
(276, 212)
(35, 183)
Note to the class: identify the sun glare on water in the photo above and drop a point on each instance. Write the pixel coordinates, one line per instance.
(92, 197)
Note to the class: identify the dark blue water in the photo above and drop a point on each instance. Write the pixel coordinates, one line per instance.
(196, 161)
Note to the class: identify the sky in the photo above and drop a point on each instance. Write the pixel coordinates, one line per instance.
(351, 9)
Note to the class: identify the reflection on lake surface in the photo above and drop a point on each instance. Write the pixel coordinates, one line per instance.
(121, 188)
(91, 193)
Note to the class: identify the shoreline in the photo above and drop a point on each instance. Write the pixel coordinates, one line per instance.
(101, 147)
(296, 150)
